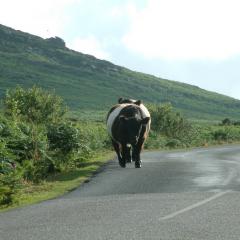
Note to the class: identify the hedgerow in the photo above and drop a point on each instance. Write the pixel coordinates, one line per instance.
(36, 140)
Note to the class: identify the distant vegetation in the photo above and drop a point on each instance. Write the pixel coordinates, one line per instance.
(170, 129)
(86, 83)
(45, 133)
(37, 140)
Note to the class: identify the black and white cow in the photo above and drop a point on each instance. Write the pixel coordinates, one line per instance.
(128, 124)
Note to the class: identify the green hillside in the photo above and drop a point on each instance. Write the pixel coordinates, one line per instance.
(88, 83)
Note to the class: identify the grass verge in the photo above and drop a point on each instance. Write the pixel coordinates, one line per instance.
(58, 184)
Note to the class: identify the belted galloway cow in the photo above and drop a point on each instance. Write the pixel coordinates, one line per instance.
(128, 125)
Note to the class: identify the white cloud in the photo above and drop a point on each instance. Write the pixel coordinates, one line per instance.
(44, 18)
(123, 11)
(186, 29)
(89, 45)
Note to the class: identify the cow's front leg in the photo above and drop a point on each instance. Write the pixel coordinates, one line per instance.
(117, 149)
(128, 154)
(125, 154)
(136, 153)
(136, 157)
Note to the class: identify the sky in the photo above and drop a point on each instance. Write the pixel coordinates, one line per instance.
(191, 41)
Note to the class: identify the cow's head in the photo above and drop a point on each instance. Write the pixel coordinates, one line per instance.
(132, 127)
(127, 100)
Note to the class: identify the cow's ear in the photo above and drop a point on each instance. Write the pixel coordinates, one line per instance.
(120, 100)
(145, 120)
(138, 102)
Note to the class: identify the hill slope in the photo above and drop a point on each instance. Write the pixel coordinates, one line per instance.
(88, 83)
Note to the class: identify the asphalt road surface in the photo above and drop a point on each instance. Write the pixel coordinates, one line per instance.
(179, 195)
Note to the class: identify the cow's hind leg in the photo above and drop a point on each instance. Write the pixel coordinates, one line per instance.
(118, 151)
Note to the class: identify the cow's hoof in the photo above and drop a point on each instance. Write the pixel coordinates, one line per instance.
(138, 165)
(123, 165)
(129, 160)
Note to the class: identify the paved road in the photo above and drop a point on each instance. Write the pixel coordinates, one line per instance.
(179, 195)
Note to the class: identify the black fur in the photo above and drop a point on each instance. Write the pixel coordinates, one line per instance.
(129, 128)
(127, 100)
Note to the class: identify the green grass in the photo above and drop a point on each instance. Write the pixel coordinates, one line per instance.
(89, 84)
(87, 115)
(60, 184)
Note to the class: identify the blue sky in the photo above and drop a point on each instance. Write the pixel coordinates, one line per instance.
(191, 41)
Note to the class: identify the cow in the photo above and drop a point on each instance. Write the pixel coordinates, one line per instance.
(128, 124)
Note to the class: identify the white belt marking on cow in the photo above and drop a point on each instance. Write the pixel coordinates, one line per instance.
(144, 111)
(113, 116)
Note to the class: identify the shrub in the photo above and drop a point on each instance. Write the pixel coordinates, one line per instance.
(30, 143)
(5, 127)
(9, 180)
(173, 143)
(95, 135)
(220, 135)
(9, 185)
(155, 141)
(30, 148)
(226, 121)
(63, 137)
(236, 123)
(38, 170)
(34, 105)
(6, 159)
(168, 122)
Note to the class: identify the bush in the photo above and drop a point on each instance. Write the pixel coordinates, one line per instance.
(35, 137)
(38, 170)
(6, 159)
(155, 141)
(9, 180)
(226, 121)
(95, 135)
(220, 135)
(34, 105)
(173, 143)
(168, 122)
(236, 123)
(67, 145)
(63, 137)
(29, 143)
(5, 128)
(9, 185)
